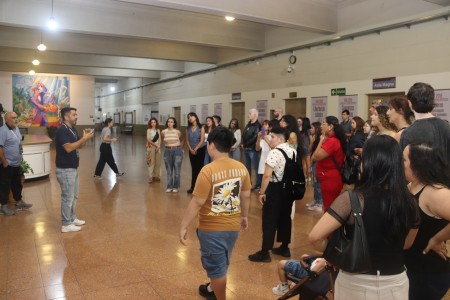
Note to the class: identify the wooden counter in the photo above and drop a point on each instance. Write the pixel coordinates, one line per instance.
(36, 152)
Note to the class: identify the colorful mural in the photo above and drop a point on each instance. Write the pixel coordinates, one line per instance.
(38, 99)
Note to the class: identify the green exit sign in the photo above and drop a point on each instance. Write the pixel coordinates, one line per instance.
(338, 92)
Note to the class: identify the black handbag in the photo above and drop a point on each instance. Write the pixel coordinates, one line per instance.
(346, 251)
(156, 137)
(349, 172)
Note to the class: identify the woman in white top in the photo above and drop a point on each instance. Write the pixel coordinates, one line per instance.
(153, 152)
(106, 155)
(173, 154)
(235, 152)
(263, 146)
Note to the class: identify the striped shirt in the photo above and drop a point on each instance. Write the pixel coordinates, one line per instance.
(171, 137)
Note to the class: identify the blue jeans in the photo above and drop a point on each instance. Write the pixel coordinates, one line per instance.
(68, 181)
(173, 158)
(216, 248)
(316, 185)
(251, 157)
(236, 154)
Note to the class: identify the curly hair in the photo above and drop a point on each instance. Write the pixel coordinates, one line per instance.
(384, 118)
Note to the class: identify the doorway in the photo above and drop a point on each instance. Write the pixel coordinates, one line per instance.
(238, 112)
(177, 115)
(296, 107)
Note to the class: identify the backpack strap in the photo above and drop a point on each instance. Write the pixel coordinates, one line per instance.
(286, 158)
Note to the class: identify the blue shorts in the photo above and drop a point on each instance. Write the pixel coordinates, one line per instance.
(295, 268)
(215, 249)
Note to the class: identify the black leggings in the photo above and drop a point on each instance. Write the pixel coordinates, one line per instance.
(196, 164)
(106, 157)
(10, 180)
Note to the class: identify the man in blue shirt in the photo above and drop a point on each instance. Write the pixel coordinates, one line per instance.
(67, 143)
(10, 157)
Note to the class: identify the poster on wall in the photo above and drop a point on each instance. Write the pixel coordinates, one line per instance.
(204, 112)
(218, 109)
(318, 108)
(349, 103)
(442, 108)
(146, 116)
(38, 99)
(261, 106)
(193, 108)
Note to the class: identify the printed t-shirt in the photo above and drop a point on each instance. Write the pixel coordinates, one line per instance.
(220, 183)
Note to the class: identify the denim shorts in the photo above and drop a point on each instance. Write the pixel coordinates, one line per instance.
(295, 268)
(215, 249)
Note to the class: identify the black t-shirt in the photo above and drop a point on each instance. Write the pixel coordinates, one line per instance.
(66, 135)
(432, 130)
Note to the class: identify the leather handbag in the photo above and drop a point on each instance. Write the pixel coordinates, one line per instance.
(350, 251)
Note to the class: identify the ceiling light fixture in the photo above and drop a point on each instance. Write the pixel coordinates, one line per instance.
(36, 62)
(52, 24)
(230, 18)
(41, 46)
(31, 72)
(112, 88)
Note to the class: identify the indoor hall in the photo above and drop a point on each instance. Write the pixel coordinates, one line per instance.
(129, 247)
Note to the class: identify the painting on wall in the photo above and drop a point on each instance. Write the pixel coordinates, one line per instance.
(38, 99)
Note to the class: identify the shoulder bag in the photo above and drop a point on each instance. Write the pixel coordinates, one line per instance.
(350, 253)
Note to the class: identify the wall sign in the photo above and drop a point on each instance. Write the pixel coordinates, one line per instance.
(318, 108)
(349, 103)
(236, 96)
(338, 92)
(442, 108)
(384, 83)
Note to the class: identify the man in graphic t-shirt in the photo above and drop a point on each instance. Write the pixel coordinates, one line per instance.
(221, 199)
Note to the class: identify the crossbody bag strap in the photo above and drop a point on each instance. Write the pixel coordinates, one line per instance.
(285, 157)
(336, 163)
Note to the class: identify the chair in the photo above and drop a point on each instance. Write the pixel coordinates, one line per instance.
(315, 285)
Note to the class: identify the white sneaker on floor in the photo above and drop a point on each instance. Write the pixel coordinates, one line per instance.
(316, 207)
(70, 228)
(310, 204)
(280, 289)
(168, 190)
(78, 222)
(175, 191)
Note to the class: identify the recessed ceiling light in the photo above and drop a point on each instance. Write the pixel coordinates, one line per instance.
(42, 47)
(229, 18)
(112, 89)
(31, 72)
(36, 62)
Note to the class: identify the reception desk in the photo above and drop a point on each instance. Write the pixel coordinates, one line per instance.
(36, 152)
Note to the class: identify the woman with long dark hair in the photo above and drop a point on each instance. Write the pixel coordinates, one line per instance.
(106, 155)
(235, 151)
(207, 128)
(173, 154)
(329, 155)
(357, 138)
(427, 264)
(153, 152)
(195, 136)
(400, 114)
(389, 214)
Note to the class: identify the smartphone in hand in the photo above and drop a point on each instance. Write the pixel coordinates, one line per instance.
(263, 131)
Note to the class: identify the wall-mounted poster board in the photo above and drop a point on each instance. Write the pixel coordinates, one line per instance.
(128, 118)
(442, 108)
(349, 103)
(116, 118)
(318, 108)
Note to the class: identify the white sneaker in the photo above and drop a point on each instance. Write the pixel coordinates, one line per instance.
(317, 208)
(78, 222)
(281, 289)
(175, 191)
(168, 190)
(70, 228)
(310, 204)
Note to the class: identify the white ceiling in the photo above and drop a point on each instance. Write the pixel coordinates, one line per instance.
(154, 39)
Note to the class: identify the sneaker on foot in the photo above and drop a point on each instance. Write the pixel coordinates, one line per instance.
(168, 190)
(203, 291)
(285, 252)
(317, 208)
(78, 222)
(281, 289)
(260, 256)
(70, 228)
(175, 191)
(310, 204)
(120, 174)
(21, 205)
(7, 211)
(97, 177)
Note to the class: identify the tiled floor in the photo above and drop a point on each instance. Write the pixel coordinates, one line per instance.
(129, 247)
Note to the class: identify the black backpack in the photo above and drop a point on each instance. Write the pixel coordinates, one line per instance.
(293, 178)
